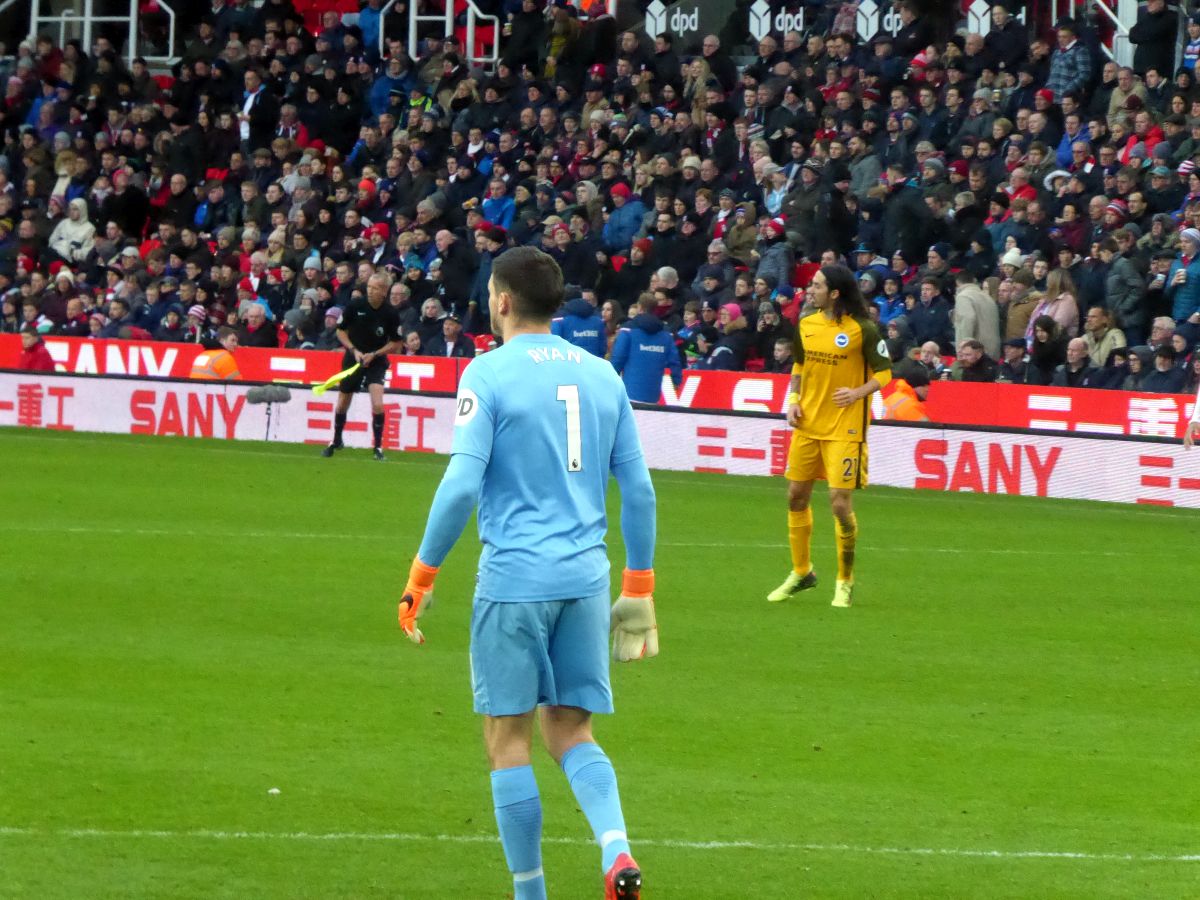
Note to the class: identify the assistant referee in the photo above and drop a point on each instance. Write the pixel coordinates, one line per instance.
(369, 330)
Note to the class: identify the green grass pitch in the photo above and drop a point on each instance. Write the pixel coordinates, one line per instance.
(1009, 711)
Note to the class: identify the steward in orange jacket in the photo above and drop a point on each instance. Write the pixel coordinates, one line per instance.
(907, 402)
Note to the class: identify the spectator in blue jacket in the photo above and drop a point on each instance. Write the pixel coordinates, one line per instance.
(732, 347)
(624, 221)
(393, 78)
(776, 259)
(154, 310)
(1000, 224)
(490, 242)
(1166, 377)
(929, 316)
(580, 323)
(1183, 284)
(1070, 64)
(1074, 131)
(369, 21)
(499, 208)
(642, 351)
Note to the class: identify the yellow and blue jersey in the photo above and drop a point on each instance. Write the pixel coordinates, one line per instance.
(831, 353)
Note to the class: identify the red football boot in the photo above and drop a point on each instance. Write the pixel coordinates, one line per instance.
(623, 880)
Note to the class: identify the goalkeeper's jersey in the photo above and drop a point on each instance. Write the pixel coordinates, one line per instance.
(550, 420)
(831, 354)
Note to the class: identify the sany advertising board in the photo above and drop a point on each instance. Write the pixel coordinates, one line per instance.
(988, 405)
(924, 457)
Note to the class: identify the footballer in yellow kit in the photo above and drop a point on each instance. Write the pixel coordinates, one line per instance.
(840, 361)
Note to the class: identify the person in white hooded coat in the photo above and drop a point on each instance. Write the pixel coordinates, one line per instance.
(74, 237)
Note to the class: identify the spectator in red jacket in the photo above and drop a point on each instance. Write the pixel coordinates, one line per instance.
(34, 355)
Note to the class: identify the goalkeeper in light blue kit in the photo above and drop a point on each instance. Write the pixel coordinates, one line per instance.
(540, 426)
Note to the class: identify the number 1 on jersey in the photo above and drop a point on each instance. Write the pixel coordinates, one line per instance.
(568, 394)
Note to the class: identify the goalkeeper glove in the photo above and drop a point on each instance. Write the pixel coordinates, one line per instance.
(417, 594)
(635, 631)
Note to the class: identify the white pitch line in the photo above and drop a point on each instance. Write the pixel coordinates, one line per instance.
(741, 483)
(674, 844)
(186, 532)
(376, 536)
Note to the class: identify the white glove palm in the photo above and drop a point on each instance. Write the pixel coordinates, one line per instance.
(634, 628)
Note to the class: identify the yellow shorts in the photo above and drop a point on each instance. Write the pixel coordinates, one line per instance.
(842, 463)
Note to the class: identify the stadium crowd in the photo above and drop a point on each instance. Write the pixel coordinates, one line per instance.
(1016, 209)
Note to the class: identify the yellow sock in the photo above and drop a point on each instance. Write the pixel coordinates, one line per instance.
(800, 536)
(847, 536)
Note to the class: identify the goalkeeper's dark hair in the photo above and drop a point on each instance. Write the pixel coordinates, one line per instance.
(849, 300)
(533, 280)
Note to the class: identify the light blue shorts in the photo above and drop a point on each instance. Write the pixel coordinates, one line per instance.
(547, 653)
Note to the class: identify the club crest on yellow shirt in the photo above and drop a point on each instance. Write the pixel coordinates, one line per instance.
(842, 339)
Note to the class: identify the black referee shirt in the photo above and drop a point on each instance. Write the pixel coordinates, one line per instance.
(367, 327)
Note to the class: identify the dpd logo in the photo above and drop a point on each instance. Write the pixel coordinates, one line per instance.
(678, 22)
(760, 19)
(761, 23)
(682, 22)
(656, 19)
(786, 21)
(468, 406)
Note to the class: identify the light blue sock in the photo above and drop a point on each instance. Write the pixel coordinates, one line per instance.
(519, 817)
(595, 785)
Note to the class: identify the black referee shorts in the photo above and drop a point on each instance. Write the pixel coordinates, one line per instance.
(375, 373)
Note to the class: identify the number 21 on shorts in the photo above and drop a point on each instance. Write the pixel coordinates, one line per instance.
(568, 394)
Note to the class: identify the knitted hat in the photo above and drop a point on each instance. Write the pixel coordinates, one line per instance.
(776, 226)
(198, 311)
(643, 245)
(1190, 234)
(733, 309)
(1012, 257)
(313, 262)
(1118, 208)
(620, 189)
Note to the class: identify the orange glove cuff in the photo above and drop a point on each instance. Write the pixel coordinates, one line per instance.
(637, 583)
(420, 575)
